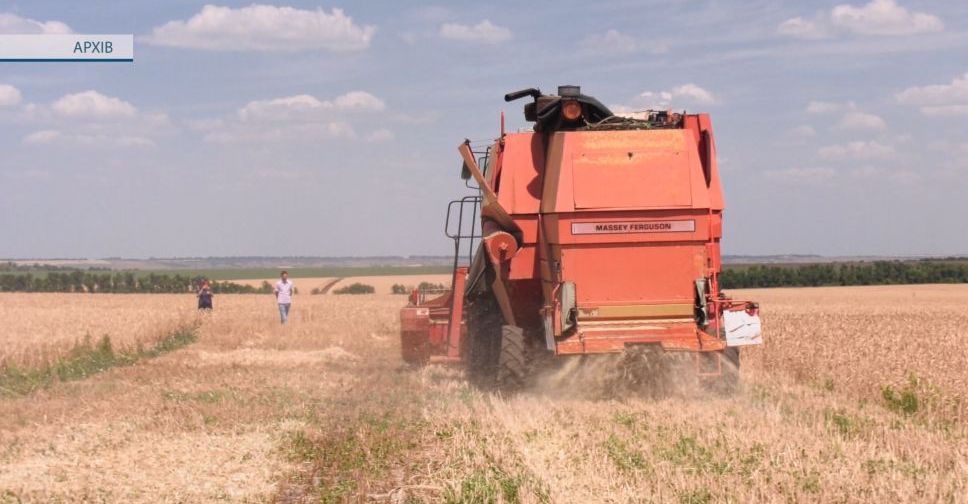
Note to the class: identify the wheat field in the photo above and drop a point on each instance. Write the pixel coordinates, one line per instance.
(39, 328)
(323, 410)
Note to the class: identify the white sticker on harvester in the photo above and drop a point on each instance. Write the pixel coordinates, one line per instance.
(672, 226)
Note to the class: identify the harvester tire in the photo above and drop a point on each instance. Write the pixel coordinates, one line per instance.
(512, 366)
(483, 340)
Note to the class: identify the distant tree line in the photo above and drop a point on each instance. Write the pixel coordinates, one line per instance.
(424, 287)
(830, 274)
(12, 267)
(355, 288)
(732, 277)
(119, 282)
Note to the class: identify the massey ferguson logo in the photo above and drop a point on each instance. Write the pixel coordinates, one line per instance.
(674, 226)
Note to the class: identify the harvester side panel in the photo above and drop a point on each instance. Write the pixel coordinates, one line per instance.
(521, 159)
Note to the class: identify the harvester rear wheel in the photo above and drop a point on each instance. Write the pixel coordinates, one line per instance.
(495, 352)
(512, 367)
(483, 340)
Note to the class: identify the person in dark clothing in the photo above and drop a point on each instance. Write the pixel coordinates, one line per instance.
(205, 296)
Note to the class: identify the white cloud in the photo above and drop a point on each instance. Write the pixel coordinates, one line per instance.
(865, 171)
(857, 150)
(308, 107)
(945, 110)
(92, 119)
(883, 17)
(876, 18)
(219, 137)
(49, 137)
(14, 24)
(92, 105)
(938, 99)
(242, 132)
(803, 131)
(694, 93)
(677, 97)
(360, 100)
(937, 94)
(29, 174)
(9, 96)
(423, 117)
(611, 41)
(280, 108)
(264, 28)
(861, 121)
(621, 109)
(799, 175)
(905, 177)
(801, 28)
(652, 100)
(42, 137)
(203, 125)
(336, 129)
(380, 135)
(822, 107)
(484, 32)
(852, 119)
(297, 118)
(409, 37)
(131, 141)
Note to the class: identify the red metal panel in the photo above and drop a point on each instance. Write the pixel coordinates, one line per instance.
(674, 337)
(415, 345)
(529, 227)
(715, 188)
(595, 170)
(638, 273)
(524, 265)
(627, 178)
(456, 325)
(414, 318)
(522, 161)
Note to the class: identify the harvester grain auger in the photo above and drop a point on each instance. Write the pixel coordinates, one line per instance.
(591, 234)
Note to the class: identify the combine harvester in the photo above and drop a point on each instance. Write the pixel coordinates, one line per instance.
(591, 234)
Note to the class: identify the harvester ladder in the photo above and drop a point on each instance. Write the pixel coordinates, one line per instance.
(463, 225)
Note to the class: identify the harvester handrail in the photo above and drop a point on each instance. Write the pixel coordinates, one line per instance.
(469, 231)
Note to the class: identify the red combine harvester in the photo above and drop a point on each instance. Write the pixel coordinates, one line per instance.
(591, 234)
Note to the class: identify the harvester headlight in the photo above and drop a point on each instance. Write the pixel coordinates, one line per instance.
(570, 110)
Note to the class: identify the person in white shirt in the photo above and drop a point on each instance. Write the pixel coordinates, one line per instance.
(284, 291)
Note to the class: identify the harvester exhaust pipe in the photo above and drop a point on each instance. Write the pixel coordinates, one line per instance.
(532, 92)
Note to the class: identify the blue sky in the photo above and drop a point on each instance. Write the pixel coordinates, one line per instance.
(307, 128)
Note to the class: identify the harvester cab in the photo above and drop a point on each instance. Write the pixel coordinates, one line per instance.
(593, 233)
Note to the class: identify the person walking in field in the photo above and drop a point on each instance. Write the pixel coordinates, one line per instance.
(283, 291)
(205, 296)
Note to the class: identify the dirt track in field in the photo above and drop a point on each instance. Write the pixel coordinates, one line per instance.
(323, 409)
